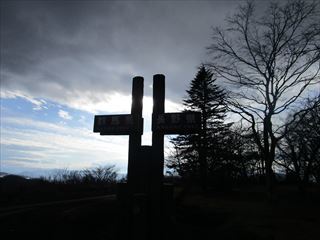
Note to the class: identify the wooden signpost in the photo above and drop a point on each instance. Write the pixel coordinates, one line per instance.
(146, 163)
(177, 123)
(121, 124)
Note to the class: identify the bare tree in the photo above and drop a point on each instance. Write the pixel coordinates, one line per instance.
(101, 174)
(299, 150)
(272, 60)
(106, 174)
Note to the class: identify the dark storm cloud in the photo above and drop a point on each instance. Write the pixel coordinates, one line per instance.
(64, 50)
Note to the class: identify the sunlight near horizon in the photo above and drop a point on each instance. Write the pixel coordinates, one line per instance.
(123, 104)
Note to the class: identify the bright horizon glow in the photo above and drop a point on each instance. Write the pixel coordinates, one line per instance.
(48, 135)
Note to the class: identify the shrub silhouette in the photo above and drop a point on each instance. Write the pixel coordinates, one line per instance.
(63, 184)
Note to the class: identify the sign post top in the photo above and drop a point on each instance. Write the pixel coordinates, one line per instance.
(162, 123)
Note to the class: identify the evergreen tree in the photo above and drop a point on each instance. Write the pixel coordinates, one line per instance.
(194, 152)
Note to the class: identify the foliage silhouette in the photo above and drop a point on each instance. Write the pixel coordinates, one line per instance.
(63, 184)
(299, 150)
(197, 155)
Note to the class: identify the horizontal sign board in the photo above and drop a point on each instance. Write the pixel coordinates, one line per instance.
(177, 123)
(121, 124)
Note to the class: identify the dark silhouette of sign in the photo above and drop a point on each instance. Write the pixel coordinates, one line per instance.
(122, 124)
(145, 163)
(162, 123)
(177, 123)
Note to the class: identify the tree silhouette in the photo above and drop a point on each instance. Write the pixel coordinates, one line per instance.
(244, 152)
(271, 60)
(194, 152)
(300, 148)
(97, 175)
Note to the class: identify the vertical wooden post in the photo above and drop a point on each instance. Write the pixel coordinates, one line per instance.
(156, 166)
(135, 138)
(127, 199)
(157, 137)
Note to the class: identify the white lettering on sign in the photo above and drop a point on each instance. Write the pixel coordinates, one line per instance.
(161, 119)
(115, 120)
(190, 118)
(175, 118)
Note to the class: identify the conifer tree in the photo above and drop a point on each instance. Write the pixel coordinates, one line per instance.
(194, 152)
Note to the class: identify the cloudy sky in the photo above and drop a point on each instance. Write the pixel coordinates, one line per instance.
(62, 62)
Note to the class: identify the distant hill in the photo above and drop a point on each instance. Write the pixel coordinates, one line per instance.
(2, 174)
(13, 179)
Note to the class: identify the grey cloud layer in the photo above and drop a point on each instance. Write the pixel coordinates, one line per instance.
(62, 50)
